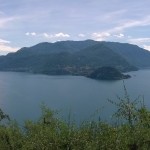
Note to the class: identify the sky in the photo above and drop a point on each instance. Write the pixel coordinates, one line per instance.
(24, 23)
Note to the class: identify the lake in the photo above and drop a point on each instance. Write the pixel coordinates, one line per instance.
(21, 94)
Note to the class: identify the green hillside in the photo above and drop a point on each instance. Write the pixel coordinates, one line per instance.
(71, 57)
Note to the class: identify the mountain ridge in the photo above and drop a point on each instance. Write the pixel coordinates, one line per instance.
(75, 57)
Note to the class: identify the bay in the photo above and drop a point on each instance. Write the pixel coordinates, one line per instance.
(21, 94)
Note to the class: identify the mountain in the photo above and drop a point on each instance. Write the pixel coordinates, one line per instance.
(100, 55)
(132, 53)
(75, 57)
(57, 47)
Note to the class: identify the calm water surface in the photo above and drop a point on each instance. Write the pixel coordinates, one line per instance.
(21, 94)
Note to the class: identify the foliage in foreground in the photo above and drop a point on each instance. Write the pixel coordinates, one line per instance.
(51, 133)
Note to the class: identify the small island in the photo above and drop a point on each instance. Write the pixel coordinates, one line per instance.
(108, 73)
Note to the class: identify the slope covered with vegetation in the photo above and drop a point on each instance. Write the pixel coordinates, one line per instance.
(132, 53)
(108, 73)
(66, 57)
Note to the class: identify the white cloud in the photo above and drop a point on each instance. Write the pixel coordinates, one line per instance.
(130, 24)
(81, 35)
(4, 41)
(27, 33)
(147, 47)
(119, 35)
(33, 34)
(100, 36)
(30, 34)
(139, 40)
(142, 42)
(6, 48)
(62, 35)
(48, 36)
(116, 31)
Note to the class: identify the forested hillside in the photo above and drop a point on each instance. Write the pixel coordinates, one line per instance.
(75, 57)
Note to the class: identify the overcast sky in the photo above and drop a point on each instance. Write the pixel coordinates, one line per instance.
(24, 23)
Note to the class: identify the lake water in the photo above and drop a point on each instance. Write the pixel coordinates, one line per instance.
(21, 94)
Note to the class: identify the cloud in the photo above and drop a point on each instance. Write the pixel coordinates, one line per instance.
(130, 24)
(139, 40)
(48, 36)
(30, 34)
(81, 35)
(123, 25)
(147, 47)
(61, 35)
(142, 42)
(100, 36)
(56, 36)
(33, 34)
(4, 41)
(6, 48)
(119, 35)
(105, 35)
(27, 33)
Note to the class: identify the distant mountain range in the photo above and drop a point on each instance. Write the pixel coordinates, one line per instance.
(75, 57)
